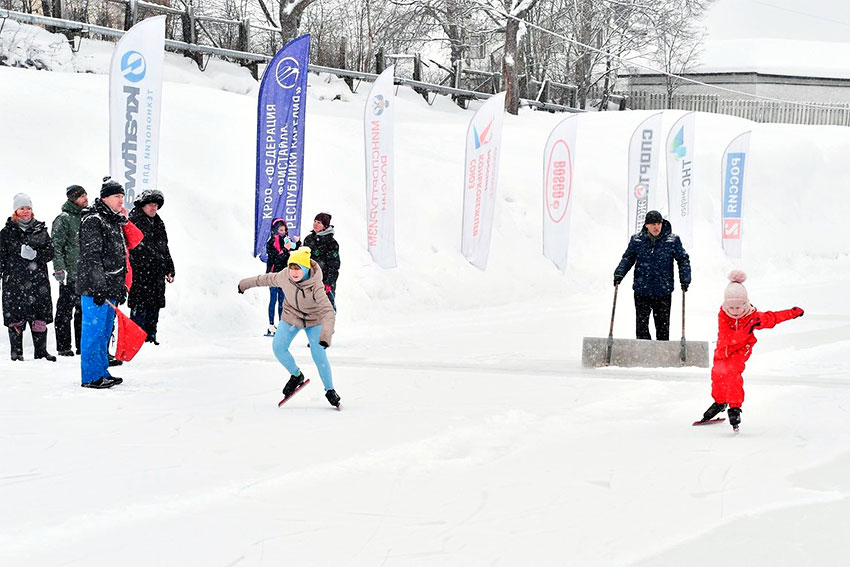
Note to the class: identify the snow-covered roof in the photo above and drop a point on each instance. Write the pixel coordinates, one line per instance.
(777, 57)
(794, 58)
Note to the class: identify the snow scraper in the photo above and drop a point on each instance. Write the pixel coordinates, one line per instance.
(599, 351)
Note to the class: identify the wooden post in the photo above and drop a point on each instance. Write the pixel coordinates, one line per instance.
(131, 14)
(380, 61)
(417, 74)
(342, 55)
(245, 45)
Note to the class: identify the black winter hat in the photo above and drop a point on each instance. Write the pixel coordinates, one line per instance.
(110, 187)
(74, 192)
(653, 217)
(324, 218)
(149, 196)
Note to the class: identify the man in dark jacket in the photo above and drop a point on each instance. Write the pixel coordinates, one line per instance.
(652, 252)
(325, 251)
(151, 262)
(25, 250)
(101, 277)
(66, 243)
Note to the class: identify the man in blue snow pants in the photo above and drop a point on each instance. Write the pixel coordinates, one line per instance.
(101, 278)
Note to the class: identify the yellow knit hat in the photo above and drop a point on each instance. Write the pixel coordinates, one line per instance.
(301, 257)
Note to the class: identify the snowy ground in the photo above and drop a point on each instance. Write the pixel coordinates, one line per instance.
(470, 435)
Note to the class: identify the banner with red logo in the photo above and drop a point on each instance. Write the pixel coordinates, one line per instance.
(483, 143)
(680, 177)
(378, 127)
(644, 154)
(558, 164)
(281, 119)
(734, 176)
(135, 105)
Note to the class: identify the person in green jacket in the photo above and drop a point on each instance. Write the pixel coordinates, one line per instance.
(66, 243)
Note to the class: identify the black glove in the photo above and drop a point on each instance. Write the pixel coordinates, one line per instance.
(617, 279)
(685, 287)
(323, 344)
(99, 298)
(797, 312)
(241, 291)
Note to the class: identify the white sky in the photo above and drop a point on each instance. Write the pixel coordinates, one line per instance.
(814, 20)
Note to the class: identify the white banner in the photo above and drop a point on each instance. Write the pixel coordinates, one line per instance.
(558, 166)
(135, 102)
(734, 176)
(378, 127)
(644, 154)
(483, 142)
(680, 178)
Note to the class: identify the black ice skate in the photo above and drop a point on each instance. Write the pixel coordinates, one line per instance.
(292, 385)
(333, 398)
(734, 417)
(713, 410)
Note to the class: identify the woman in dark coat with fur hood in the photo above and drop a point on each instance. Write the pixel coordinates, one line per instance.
(151, 262)
(25, 250)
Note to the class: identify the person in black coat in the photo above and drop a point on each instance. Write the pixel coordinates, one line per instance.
(325, 251)
(25, 250)
(151, 262)
(278, 247)
(652, 251)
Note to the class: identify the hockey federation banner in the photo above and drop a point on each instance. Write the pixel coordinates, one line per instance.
(644, 154)
(135, 105)
(558, 164)
(280, 141)
(378, 126)
(734, 178)
(483, 142)
(680, 177)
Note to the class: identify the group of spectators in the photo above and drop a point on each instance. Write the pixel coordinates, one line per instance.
(100, 255)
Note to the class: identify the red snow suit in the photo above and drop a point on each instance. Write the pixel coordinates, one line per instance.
(735, 341)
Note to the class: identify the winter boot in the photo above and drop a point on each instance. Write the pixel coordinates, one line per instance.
(271, 330)
(114, 361)
(17, 341)
(294, 382)
(99, 384)
(734, 417)
(39, 341)
(333, 398)
(713, 410)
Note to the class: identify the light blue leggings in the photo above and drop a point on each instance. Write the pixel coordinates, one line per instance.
(280, 345)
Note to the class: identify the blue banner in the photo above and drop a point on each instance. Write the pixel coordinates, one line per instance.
(280, 142)
(733, 186)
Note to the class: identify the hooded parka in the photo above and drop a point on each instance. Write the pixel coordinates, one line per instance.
(26, 283)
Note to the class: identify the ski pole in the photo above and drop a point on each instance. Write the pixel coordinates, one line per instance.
(611, 329)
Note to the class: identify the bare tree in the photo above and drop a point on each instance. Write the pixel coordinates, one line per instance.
(677, 39)
(289, 14)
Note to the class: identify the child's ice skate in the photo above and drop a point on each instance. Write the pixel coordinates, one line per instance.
(734, 417)
(713, 410)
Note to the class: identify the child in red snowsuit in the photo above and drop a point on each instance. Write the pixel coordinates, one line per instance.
(735, 340)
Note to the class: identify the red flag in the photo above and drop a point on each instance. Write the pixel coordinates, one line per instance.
(131, 337)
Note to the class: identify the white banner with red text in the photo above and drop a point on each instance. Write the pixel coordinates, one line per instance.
(483, 144)
(558, 167)
(378, 129)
